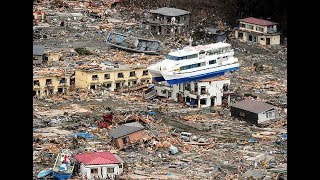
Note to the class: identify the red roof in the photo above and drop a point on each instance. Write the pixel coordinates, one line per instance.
(97, 158)
(257, 21)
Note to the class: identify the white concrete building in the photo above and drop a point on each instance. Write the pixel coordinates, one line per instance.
(103, 165)
(203, 93)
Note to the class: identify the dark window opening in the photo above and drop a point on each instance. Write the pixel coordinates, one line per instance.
(117, 85)
(94, 77)
(60, 90)
(108, 85)
(203, 101)
(120, 165)
(120, 75)
(212, 62)
(94, 171)
(34, 93)
(145, 73)
(125, 140)
(51, 91)
(225, 87)
(203, 90)
(134, 82)
(107, 76)
(132, 74)
(36, 83)
(63, 80)
(110, 170)
(240, 35)
(93, 87)
(48, 81)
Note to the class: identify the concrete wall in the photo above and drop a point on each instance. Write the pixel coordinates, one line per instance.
(83, 79)
(133, 138)
(102, 170)
(43, 91)
(161, 24)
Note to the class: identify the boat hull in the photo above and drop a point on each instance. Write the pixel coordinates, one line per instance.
(204, 74)
(62, 176)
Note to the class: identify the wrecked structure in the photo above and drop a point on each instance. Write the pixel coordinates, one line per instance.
(258, 31)
(127, 134)
(202, 93)
(111, 76)
(99, 165)
(254, 111)
(50, 81)
(38, 54)
(169, 21)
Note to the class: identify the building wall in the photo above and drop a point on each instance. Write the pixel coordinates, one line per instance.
(43, 90)
(244, 115)
(162, 25)
(83, 79)
(133, 138)
(54, 57)
(264, 28)
(37, 59)
(262, 117)
(261, 39)
(102, 170)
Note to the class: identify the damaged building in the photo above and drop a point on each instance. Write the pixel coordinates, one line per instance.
(38, 54)
(203, 93)
(113, 77)
(258, 31)
(50, 83)
(169, 21)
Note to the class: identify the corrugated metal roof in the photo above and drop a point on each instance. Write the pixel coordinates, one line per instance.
(252, 106)
(257, 21)
(38, 50)
(126, 129)
(170, 11)
(97, 158)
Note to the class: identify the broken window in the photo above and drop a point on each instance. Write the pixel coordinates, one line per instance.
(225, 87)
(134, 82)
(203, 90)
(108, 85)
(168, 19)
(48, 81)
(63, 80)
(248, 26)
(242, 25)
(60, 90)
(93, 87)
(117, 85)
(94, 171)
(107, 76)
(132, 74)
(120, 75)
(110, 170)
(240, 35)
(259, 29)
(145, 73)
(188, 86)
(94, 77)
(203, 101)
(36, 83)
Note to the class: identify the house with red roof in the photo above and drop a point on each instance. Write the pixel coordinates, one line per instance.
(258, 31)
(103, 165)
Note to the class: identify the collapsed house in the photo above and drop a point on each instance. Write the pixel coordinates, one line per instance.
(38, 54)
(111, 76)
(100, 165)
(258, 31)
(253, 111)
(169, 21)
(203, 93)
(127, 134)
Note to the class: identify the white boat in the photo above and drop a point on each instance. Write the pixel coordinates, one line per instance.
(194, 63)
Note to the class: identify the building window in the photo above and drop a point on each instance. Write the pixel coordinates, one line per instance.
(94, 171)
(106, 76)
(63, 80)
(48, 81)
(269, 115)
(145, 73)
(243, 25)
(93, 87)
(190, 66)
(120, 75)
(108, 85)
(60, 90)
(212, 62)
(184, 18)
(262, 39)
(110, 170)
(242, 114)
(120, 165)
(259, 29)
(94, 77)
(203, 101)
(36, 83)
(249, 26)
(132, 74)
(225, 87)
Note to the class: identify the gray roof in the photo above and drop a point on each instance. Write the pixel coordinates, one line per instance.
(38, 50)
(170, 11)
(126, 129)
(253, 106)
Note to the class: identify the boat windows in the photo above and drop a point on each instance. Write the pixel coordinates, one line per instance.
(212, 62)
(190, 66)
(177, 58)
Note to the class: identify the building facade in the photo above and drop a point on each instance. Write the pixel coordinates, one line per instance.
(113, 78)
(169, 21)
(46, 85)
(203, 93)
(258, 31)
(38, 54)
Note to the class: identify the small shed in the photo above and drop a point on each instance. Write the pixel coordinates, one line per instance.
(254, 111)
